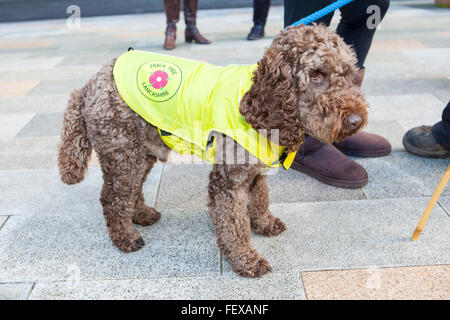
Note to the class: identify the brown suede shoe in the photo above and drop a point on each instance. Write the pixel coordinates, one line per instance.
(327, 164)
(364, 144)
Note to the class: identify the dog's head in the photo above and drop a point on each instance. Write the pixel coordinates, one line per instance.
(304, 84)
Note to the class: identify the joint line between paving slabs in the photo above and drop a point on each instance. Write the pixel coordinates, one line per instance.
(221, 262)
(31, 290)
(159, 185)
(442, 207)
(364, 194)
(4, 222)
(303, 286)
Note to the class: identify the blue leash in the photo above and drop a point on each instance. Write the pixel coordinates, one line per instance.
(321, 13)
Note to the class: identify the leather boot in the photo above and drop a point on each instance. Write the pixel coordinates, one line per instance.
(172, 9)
(171, 36)
(190, 16)
(257, 32)
(327, 164)
(364, 144)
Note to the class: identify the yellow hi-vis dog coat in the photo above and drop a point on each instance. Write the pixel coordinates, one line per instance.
(187, 100)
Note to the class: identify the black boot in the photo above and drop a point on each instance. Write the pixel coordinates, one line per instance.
(421, 142)
(257, 32)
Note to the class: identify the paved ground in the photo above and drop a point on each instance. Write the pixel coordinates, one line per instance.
(339, 243)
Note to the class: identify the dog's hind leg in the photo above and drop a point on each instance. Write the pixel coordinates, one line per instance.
(261, 220)
(143, 214)
(123, 176)
(228, 199)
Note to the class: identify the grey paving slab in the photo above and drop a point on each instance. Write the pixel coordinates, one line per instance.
(433, 40)
(436, 57)
(14, 64)
(29, 153)
(176, 189)
(92, 59)
(402, 175)
(413, 69)
(55, 75)
(29, 192)
(177, 181)
(74, 244)
(443, 95)
(151, 185)
(400, 86)
(404, 107)
(409, 124)
(391, 130)
(43, 125)
(270, 287)
(293, 186)
(354, 234)
(15, 291)
(55, 86)
(46, 103)
(11, 124)
(383, 56)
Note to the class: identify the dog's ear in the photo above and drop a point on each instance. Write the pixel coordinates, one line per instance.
(272, 101)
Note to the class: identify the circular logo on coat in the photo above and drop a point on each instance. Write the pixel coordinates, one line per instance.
(159, 81)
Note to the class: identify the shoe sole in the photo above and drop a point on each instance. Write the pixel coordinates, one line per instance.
(349, 184)
(368, 154)
(419, 152)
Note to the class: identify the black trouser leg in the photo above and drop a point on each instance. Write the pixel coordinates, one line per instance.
(353, 27)
(260, 11)
(441, 130)
(295, 10)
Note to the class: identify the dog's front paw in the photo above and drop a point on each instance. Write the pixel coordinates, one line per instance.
(251, 265)
(146, 216)
(131, 242)
(270, 226)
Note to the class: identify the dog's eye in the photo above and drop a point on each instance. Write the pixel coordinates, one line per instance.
(316, 77)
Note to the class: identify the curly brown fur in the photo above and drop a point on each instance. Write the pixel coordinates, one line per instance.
(75, 150)
(303, 84)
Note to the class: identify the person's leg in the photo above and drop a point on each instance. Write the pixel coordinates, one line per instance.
(357, 26)
(190, 16)
(260, 12)
(326, 162)
(295, 10)
(430, 141)
(441, 130)
(172, 9)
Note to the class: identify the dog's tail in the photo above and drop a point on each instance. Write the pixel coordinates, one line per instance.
(75, 148)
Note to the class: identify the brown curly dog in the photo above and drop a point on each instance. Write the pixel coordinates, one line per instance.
(303, 84)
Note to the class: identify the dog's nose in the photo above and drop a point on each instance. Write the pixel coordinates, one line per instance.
(354, 121)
